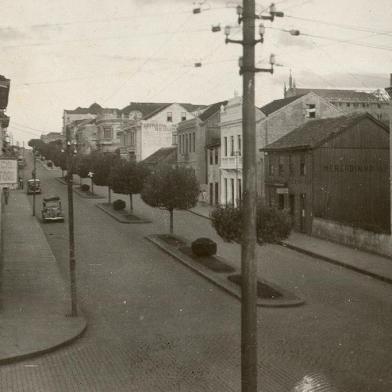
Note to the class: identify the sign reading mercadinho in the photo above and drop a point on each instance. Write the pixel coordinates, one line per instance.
(355, 168)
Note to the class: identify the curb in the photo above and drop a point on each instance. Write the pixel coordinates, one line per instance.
(199, 214)
(85, 196)
(78, 192)
(33, 354)
(118, 217)
(220, 279)
(373, 275)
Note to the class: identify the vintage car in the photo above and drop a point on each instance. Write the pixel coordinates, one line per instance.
(51, 209)
(33, 186)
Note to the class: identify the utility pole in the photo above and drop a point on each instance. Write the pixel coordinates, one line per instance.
(248, 260)
(72, 260)
(34, 178)
(247, 15)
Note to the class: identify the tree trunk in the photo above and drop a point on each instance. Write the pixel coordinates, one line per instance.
(171, 221)
(130, 202)
(109, 195)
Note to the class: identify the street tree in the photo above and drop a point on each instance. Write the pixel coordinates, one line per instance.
(272, 225)
(171, 189)
(102, 165)
(128, 178)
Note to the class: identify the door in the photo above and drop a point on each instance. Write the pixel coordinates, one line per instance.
(303, 212)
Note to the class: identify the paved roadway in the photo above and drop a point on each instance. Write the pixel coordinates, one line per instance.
(155, 325)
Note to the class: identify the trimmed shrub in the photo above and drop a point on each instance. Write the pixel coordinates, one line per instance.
(204, 247)
(85, 188)
(118, 205)
(272, 225)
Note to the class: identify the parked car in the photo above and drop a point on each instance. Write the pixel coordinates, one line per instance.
(51, 209)
(33, 186)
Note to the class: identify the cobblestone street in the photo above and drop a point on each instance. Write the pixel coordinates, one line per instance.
(155, 325)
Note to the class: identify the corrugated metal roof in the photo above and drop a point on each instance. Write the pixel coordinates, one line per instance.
(278, 104)
(315, 132)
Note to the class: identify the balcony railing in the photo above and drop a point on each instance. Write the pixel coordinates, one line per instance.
(231, 162)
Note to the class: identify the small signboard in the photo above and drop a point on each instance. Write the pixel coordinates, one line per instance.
(8, 172)
(282, 191)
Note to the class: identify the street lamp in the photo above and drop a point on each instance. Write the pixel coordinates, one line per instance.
(72, 260)
(34, 177)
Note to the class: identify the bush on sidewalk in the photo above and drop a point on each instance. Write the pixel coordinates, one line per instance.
(204, 247)
(118, 205)
(85, 188)
(272, 225)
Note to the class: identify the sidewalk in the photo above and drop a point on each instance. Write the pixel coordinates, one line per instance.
(34, 295)
(370, 264)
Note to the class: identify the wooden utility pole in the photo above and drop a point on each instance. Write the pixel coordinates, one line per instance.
(72, 260)
(248, 259)
(34, 178)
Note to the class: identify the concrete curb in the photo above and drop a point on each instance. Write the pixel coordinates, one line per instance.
(79, 192)
(220, 279)
(62, 343)
(199, 214)
(119, 217)
(373, 275)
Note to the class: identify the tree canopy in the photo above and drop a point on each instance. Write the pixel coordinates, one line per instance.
(172, 189)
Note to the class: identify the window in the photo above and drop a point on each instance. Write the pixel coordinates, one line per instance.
(216, 156)
(291, 166)
(179, 144)
(355, 105)
(225, 139)
(364, 105)
(270, 166)
(211, 193)
(107, 132)
(239, 190)
(186, 144)
(183, 116)
(311, 110)
(226, 191)
(232, 145)
(216, 193)
(281, 166)
(281, 201)
(348, 104)
(302, 166)
(194, 141)
(211, 152)
(239, 145)
(379, 105)
(169, 117)
(232, 191)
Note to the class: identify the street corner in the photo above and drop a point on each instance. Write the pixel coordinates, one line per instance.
(24, 337)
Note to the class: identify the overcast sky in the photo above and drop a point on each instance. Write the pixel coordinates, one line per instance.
(61, 54)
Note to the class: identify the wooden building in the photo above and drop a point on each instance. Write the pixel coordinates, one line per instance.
(334, 169)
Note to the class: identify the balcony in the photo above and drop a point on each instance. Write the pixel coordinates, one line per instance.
(231, 163)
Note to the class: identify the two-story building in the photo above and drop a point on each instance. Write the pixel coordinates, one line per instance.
(193, 142)
(331, 175)
(348, 101)
(79, 114)
(109, 125)
(147, 127)
(86, 136)
(231, 150)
